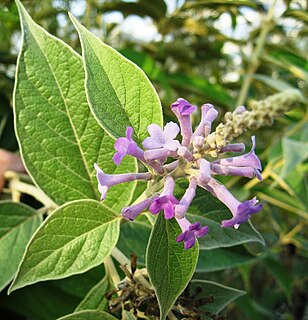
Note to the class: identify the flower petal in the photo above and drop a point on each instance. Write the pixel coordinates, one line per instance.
(171, 130)
(151, 143)
(156, 132)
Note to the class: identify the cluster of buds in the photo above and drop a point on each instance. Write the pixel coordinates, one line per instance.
(199, 168)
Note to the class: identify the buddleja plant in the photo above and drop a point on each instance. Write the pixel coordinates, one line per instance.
(82, 125)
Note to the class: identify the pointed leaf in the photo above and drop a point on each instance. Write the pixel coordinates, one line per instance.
(119, 93)
(59, 138)
(73, 239)
(17, 224)
(169, 265)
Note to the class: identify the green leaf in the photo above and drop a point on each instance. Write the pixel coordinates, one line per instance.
(88, 315)
(170, 266)
(281, 275)
(222, 295)
(95, 300)
(294, 152)
(223, 258)
(75, 238)
(17, 224)
(119, 93)
(59, 138)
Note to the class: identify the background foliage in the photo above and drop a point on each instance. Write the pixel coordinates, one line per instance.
(223, 52)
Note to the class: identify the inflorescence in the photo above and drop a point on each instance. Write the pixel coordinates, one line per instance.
(191, 160)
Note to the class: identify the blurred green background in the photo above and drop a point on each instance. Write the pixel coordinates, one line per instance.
(227, 53)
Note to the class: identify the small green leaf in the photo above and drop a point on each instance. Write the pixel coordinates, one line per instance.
(222, 295)
(59, 138)
(118, 91)
(88, 315)
(169, 265)
(75, 238)
(17, 224)
(95, 299)
(294, 152)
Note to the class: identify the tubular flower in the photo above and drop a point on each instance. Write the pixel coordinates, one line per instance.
(107, 180)
(131, 212)
(190, 232)
(183, 109)
(247, 165)
(127, 146)
(191, 162)
(166, 201)
(241, 211)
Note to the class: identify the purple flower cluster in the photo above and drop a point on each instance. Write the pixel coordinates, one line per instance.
(162, 144)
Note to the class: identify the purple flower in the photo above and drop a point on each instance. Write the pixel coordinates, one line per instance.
(244, 210)
(185, 153)
(208, 115)
(190, 193)
(127, 146)
(247, 165)
(190, 232)
(204, 171)
(107, 180)
(183, 109)
(131, 212)
(166, 200)
(160, 138)
(241, 211)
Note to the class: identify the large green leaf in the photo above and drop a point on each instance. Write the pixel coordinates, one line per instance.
(88, 315)
(119, 93)
(59, 138)
(169, 265)
(75, 238)
(222, 295)
(17, 224)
